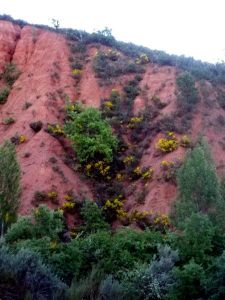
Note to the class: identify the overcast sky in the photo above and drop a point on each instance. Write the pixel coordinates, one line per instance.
(190, 27)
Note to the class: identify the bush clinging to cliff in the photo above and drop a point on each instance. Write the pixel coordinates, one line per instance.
(92, 137)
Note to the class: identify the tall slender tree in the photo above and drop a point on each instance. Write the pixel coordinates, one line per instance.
(9, 185)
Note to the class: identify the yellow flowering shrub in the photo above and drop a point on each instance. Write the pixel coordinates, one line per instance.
(169, 169)
(55, 129)
(144, 173)
(151, 219)
(115, 208)
(77, 73)
(135, 122)
(185, 141)
(108, 104)
(147, 174)
(68, 205)
(119, 177)
(113, 54)
(68, 197)
(73, 107)
(53, 196)
(138, 170)
(142, 59)
(98, 168)
(22, 139)
(128, 160)
(136, 119)
(167, 144)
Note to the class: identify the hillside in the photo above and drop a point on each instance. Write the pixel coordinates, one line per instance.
(112, 163)
(54, 66)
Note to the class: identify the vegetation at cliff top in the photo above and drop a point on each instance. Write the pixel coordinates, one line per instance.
(199, 69)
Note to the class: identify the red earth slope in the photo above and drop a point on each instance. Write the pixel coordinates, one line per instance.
(43, 59)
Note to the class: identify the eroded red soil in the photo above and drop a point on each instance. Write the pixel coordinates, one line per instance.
(43, 59)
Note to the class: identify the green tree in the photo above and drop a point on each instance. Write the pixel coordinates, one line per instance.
(93, 218)
(215, 282)
(92, 137)
(198, 185)
(190, 282)
(9, 184)
(197, 239)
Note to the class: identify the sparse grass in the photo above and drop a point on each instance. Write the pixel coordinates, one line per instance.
(8, 121)
(4, 93)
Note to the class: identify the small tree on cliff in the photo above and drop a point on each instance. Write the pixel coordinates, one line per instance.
(9, 184)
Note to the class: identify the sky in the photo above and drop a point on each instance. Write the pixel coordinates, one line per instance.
(184, 27)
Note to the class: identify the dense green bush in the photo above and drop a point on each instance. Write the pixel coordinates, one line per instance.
(187, 93)
(44, 222)
(197, 239)
(190, 280)
(215, 281)
(92, 217)
(92, 137)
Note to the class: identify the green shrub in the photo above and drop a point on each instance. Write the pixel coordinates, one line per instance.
(215, 281)
(197, 239)
(44, 222)
(21, 230)
(117, 253)
(63, 258)
(4, 93)
(11, 73)
(110, 64)
(189, 282)
(92, 137)
(8, 121)
(187, 94)
(92, 217)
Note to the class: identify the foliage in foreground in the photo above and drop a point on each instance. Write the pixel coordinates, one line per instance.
(23, 275)
(186, 262)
